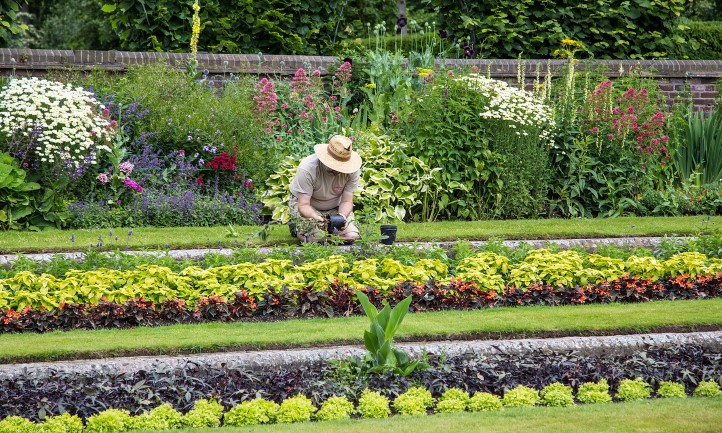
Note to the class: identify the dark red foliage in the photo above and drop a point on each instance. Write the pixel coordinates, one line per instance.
(340, 300)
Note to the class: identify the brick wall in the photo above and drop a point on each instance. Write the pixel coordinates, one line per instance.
(699, 79)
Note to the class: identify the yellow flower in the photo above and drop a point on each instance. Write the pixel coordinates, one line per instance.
(196, 7)
(571, 43)
(371, 85)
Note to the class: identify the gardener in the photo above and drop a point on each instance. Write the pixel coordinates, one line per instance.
(323, 186)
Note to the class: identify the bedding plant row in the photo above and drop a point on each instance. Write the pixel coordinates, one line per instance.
(415, 401)
(508, 378)
(153, 295)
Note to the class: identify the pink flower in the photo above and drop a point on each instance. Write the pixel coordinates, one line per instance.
(594, 130)
(450, 73)
(337, 109)
(333, 97)
(284, 105)
(268, 130)
(610, 136)
(475, 68)
(126, 167)
(106, 113)
(103, 178)
(338, 116)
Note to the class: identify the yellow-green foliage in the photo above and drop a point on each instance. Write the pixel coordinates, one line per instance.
(205, 413)
(335, 408)
(64, 423)
(557, 394)
(484, 401)
(162, 417)
(453, 400)
(256, 411)
(108, 421)
(414, 401)
(295, 409)
(591, 392)
(490, 271)
(486, 269)
(707, 388)
(671, 390)
(17, 424)
(371, 404)
(521, 396)
(636, 389)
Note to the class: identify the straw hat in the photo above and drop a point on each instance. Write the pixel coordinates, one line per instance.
(338, 155)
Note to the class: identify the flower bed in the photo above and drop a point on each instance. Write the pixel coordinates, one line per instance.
(87, 394)
(340, 299)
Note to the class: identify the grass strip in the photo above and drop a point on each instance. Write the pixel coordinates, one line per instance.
(215, 237)
(649, 416)
(520, 322)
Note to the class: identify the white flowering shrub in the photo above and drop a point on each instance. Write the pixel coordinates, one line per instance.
(59, 124)
(517, 108)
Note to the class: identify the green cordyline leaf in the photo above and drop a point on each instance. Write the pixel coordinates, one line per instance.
(369, 308)
(397, 316)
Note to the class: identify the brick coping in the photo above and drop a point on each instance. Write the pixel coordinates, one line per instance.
(25, 60)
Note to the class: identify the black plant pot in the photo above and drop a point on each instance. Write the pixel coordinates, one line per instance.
(390, 232)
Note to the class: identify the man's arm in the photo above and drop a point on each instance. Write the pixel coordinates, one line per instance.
(346, 206)
(305, 209)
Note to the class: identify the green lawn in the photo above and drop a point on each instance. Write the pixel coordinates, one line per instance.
(209, 237)
(489, 323)
(691, 415)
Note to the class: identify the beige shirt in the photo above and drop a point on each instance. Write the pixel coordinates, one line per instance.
(325, 189)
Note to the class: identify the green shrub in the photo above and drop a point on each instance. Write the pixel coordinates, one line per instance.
(256, 411)
(335, 408)
(455, 394)
(162, 417)
(484, 401)
(415, 401)
(373, 405)
(521, 396)
(205, 413)
(709, 36)
(610, 29)
(64, 423)
(707, 388)
(636, 389)
(17, 424)
(591, 392)
(295, 409)
(450, 405)
(671, 390)
(108, 421)
(557, 394)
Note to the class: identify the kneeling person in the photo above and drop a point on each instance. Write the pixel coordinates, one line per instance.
(324, 185)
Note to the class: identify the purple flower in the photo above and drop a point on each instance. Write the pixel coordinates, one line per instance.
(126, 167)
(130, 183)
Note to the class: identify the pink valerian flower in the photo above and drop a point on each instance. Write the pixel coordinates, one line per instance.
(266, 98)
(126, 168)
(131, 184)
(103, 178)
(106, 113)
(299, 82)
(343, 73)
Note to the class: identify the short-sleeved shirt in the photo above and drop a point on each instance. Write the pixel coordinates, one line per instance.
(325, 189)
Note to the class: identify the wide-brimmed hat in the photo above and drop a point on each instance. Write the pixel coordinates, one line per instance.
(338, 155)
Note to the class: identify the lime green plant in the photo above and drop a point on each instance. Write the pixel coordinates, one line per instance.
(256, 411)
(557, 394)
(636, 389)
(707, 388)
(594, 392)
(379, 340)
(17, 424)
(159, 418)
(109, 420)
(334, 408)
(453, 400)
(521, 396)
(484, 401)
(372, 404)
(205, 413)
(295, 409)
(669, 389)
